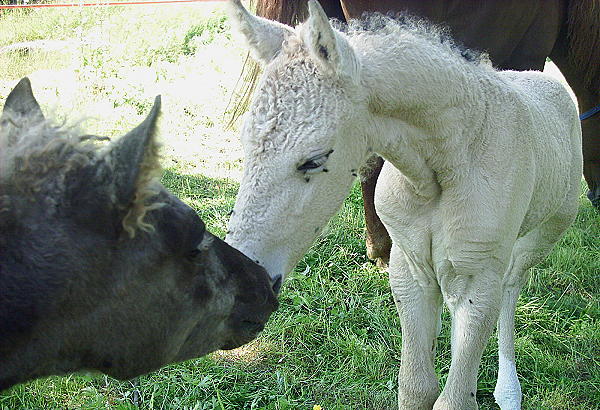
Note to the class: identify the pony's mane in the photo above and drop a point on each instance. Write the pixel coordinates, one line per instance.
(393, 26)
(34, 153)
(36, 157)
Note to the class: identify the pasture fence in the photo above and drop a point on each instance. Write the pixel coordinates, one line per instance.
(16, 4)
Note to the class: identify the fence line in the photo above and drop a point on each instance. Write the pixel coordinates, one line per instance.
(105, 3)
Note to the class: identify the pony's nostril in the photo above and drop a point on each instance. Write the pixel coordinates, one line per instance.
(276, 283)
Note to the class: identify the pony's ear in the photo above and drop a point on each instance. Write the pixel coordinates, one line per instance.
(110, 197)
(21, 102)
(264, 37)
(134, 158)
(328, 47)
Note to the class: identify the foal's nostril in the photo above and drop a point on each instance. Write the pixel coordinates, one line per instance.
(276, 283)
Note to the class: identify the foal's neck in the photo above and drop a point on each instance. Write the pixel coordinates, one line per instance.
(421, 100)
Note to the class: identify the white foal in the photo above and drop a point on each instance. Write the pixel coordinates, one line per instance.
(482, 177)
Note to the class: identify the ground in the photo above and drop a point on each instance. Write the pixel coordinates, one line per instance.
(335, 342)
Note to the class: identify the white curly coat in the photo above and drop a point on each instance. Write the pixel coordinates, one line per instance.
(482, 177)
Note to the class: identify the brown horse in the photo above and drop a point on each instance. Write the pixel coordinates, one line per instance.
(517, 35)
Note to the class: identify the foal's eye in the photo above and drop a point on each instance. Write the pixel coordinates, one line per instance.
(314, 164)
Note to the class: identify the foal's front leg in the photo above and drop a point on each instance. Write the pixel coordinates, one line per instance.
(418, 300)
(473, 295)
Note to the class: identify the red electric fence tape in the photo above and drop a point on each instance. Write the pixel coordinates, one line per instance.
(106, 3)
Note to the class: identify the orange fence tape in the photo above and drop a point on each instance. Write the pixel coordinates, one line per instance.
(106, 3)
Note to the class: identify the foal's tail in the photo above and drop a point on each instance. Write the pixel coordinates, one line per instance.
(583, 22)
(289, 12)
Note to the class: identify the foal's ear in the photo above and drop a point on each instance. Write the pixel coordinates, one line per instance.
(21, 102)
(328, 47)
(264, 37)
(134, 158)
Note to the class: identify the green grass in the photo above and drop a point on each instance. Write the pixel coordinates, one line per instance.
(335, 340)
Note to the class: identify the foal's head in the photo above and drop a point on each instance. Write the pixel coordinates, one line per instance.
(301, 138)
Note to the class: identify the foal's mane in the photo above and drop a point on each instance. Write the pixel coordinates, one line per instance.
(393, 26)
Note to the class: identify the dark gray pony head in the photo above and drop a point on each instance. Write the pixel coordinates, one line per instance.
(101, 267)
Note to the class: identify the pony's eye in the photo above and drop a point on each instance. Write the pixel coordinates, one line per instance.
(314, 164)
(193, 253)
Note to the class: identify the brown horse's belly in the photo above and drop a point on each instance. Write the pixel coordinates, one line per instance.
(517, 35)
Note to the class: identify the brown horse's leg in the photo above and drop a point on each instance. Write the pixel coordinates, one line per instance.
(378, 239)
(587, 98)
(591, 156)
(577, 53)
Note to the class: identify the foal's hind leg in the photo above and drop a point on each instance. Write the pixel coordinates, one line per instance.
(527, 252)
(508, 390)
(419, 305)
